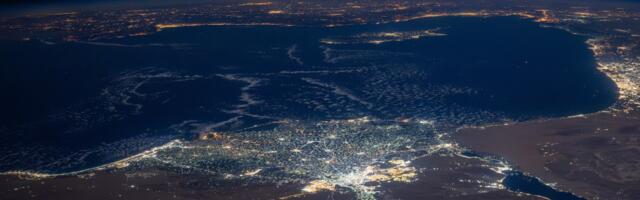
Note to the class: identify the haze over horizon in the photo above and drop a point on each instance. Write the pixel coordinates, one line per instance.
(21, 6)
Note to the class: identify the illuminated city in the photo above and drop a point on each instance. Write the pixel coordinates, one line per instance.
(315, 99)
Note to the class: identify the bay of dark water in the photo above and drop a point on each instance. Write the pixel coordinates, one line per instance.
(516, 181)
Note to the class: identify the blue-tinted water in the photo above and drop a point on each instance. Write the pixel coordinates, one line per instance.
(70, 106)
(516, 181)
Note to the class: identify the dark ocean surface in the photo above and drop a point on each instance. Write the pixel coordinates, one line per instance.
(75, 105)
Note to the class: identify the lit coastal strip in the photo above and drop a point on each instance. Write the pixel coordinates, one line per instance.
(160, 27)
(453, 14)
(30, 175)
(624, 73)
(384, 37)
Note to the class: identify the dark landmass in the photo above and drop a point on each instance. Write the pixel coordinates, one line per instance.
(443, 176)
(151, 184)
(595, 156)
(452, 177)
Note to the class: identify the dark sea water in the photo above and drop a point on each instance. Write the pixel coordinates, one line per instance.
(516, 181)
(70, 106)
(519, 182)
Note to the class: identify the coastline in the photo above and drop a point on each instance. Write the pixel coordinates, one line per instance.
(591, 156)
(481, 137)
(442, 176)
